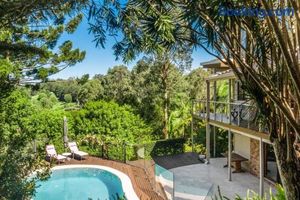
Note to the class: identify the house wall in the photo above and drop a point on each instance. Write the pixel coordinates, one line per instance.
(242, 147)
(248, 148)
(254, 157)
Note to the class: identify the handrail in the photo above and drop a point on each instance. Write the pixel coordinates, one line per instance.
(227, 103)
(243, 112)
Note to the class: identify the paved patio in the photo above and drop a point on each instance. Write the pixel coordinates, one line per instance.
(195, 181)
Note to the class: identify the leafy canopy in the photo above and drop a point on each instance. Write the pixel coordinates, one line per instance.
(111, 121)
(29, 34)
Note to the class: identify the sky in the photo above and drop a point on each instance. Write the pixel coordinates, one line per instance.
(99, 60)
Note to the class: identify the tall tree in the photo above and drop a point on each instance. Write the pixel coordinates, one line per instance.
(196, 79)
(117, 85)
(29, 35)
(171, 85)
(145, 87)
(62, 87)
(135, 40)
(158, 85)
(84, 79)
(90, 91)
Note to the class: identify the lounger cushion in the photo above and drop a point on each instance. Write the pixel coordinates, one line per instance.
(80, 153)
(51, 150)
(74, 149)
(60, 157)
(73, 146)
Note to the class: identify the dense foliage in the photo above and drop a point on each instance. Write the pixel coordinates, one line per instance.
(28, 38)
(112, 122)
(16, 151)
(251, 195)
(142, 89)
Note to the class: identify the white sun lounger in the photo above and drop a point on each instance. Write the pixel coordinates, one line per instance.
(75, 151)
(51, 153)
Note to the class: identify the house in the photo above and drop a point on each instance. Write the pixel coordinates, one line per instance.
(247, 138)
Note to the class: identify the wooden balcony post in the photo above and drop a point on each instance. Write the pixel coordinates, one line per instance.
(215, 98)
(207, 120)
(261, 167)
(214, 136)
(229, 133)
(229, 100)
(215, 116)
(229, 156)
(192, 127)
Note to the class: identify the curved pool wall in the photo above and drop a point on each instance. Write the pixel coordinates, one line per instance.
(123, 178)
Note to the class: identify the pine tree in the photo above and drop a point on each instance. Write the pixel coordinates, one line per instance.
(29, 33)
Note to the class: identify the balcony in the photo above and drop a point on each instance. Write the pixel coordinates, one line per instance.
(239, 113)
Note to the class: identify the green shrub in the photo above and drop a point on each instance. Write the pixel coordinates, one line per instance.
(68, 98)
(251, 195)
(47, 124)
(166, 147)
(198, 148)
(111, 121)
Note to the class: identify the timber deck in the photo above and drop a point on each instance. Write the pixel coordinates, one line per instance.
(140, 180)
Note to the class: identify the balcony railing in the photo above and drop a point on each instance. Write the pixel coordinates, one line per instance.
(238, 113)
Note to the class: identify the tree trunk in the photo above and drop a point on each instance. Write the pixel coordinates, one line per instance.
(289, 174)
(166, 116)
(165, 73)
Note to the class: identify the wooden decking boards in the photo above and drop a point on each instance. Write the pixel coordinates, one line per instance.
(139, 178)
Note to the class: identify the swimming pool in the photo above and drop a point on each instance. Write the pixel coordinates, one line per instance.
(85, 182)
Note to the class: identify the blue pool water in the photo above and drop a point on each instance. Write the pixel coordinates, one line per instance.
(79, 184)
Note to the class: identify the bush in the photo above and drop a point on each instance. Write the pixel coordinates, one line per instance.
(251, 195)
(97, 146)
(16, 156)
(47, 124)
(68, 98)
(168, 147)
(104, 127)
(198, 148)
(158, 148)
(114, 123)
